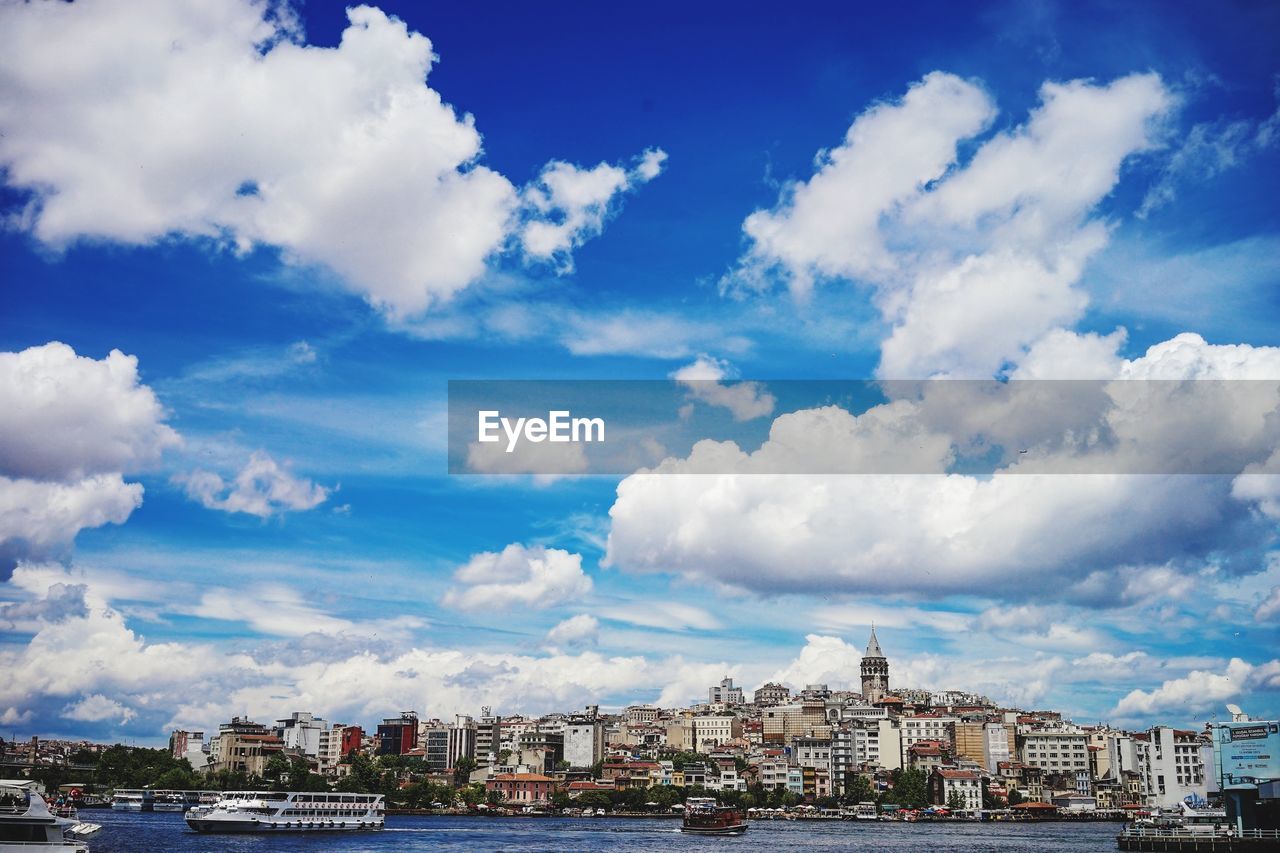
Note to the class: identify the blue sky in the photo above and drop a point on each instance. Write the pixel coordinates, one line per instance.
(301, 240)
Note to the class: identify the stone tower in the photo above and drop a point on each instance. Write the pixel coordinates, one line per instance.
(875, 671)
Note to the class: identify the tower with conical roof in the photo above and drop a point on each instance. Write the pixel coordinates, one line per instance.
(875, 671)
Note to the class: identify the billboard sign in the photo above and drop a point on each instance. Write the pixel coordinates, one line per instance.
(1248, 752)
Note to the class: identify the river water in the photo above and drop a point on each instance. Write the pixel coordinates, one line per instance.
(153, 832)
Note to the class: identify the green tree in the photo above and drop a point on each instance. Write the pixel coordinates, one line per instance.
(956, 801)
(1015, 797)
(911, 788)
(595, 800)
(858, 789)
(462, 770)
(494, 797)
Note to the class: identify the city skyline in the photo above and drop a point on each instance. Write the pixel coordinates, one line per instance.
(246, 248)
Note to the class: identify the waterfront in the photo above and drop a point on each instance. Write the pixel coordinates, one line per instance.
(132, 832)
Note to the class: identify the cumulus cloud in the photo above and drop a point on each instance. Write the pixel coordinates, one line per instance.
(970, 263)
(946, 532)
(571, 204)
(339, 156)
(580, 630)
(262, 488)
(61, 601)
(65, 416)
(96, 707)
(1199, 690)
(71, 427)
(106, 670)
(823, 660)
(703, 380)
(829, 226)
(518, 576)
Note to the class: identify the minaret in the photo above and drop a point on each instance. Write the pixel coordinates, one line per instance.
(875, 671)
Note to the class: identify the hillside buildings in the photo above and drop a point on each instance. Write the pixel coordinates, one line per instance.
(814, 743)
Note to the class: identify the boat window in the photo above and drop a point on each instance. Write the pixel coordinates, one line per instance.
(22, 832)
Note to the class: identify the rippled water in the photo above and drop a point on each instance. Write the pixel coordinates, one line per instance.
(132, 832)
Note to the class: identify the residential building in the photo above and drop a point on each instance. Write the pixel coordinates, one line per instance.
(301, 731)
(522, 788)
(712, 730)
(245, 746)
(462, 739)
(398, 735)
(931, 727)
(488, 739)
(1056, 750)
(771, 693)
(985, 742)
(782, 723)
(583, 742)
(725, 693)
(964, 785)
(1176, 766)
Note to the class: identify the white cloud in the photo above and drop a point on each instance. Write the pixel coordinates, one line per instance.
(340, 156)
(829, 226)
(519, 576)
(40, 519)
(1270, 606)
(823, 660)
(640, 332)
(261, 488)
(669, 615)
(70, 428)
(1208, 150)
(571, 204)
(64, 417)
(1198, 690)
(971, 264)
(273, 609)
(795, 524)
(745, 400)
(13, 717)
(96, 707)
(580, 630)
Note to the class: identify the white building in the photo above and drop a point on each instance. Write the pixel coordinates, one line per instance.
(812, 752)
(725, 693)
(947, 784)
(1056, 751)
(773, 774)
(462, 739)
(925, 727)
(301, 731)
(1176, 767)
(712, 730)
(583, 742)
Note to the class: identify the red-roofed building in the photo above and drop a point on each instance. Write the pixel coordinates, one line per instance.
(946, 786)
(523, 788)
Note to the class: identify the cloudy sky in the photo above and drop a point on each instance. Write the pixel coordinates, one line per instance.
(246, 246)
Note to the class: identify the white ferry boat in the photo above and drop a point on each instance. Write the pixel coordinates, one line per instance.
(279, 811)
(129, 800)
(27, 825)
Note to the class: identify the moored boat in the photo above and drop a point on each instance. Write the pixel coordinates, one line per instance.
(27, 825)
(705, 816)
(131, 800)
(281, 812)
